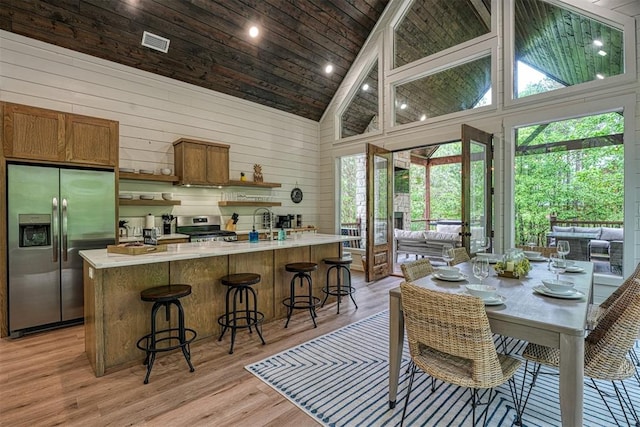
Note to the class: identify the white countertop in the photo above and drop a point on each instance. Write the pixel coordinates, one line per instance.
(100, 258)
(160, 238)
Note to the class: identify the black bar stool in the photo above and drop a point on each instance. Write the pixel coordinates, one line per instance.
(339, 289)
(308, 301)
(180, 337)
(240, 289)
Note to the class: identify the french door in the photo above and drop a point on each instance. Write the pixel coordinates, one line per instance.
(477, 188)
(379, 247)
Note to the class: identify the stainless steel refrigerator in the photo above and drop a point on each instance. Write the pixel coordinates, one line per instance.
(52, 213)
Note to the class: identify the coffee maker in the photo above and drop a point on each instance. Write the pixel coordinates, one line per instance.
(284, 221)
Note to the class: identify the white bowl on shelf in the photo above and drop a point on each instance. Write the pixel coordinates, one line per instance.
(147, 197)
(165, 171)
(147, 172)
(167, 196)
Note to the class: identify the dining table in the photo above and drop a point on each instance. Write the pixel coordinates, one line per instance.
(526, 312)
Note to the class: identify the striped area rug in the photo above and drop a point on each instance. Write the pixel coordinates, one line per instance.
(341, 379)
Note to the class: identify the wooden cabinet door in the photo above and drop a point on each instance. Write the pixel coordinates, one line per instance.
(33, 133)
(217, 165)
(91, 140)
(193, 168)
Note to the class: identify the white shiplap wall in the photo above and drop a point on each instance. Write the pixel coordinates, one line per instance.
(154, 111)
(493, 120)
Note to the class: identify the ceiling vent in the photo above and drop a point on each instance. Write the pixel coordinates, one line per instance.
(155, 42)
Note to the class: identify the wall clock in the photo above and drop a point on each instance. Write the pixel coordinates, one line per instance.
(296, 195)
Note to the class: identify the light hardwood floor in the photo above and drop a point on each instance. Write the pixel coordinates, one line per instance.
(46, 380)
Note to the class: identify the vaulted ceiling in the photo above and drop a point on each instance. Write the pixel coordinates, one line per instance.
(284, 66)
(209, 41)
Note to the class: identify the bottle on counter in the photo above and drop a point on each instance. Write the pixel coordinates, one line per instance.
(253, 236)
(282, 235)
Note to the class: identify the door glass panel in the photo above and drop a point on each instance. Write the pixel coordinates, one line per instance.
(555, 47)
(380, 207)
(456, 89)
(361, 115)
(478, 197)
(431, 26)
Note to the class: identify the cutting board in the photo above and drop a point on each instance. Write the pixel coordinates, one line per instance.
(135, 250)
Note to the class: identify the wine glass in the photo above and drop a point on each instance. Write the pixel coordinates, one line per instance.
(558, 265)
(447, 253)
(531, 242)
(563, 248)
(481, 268)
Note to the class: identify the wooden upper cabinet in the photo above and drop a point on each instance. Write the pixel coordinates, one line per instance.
(91, 140)
(200, 162)
(33, 133)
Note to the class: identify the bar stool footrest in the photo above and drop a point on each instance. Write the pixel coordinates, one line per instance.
(301, 302)
(234, 318)
(189, 334)
(339, 291)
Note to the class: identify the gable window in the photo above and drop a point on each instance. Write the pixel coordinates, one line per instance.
(432, 26)
(565, 47)
(459, 88)
(361, 114)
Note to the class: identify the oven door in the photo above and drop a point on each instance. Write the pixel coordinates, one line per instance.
(203, 238)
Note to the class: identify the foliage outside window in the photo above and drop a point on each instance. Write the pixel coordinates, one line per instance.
(567, 47)
(573, 169)
(455, 89)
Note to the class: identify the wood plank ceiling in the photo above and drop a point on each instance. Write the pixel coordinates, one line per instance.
(209, 42)
(284, 67)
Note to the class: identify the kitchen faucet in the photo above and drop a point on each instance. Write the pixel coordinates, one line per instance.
(268, 211)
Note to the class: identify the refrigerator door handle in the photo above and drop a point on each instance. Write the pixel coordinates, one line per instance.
(55, 231)
(65, 246)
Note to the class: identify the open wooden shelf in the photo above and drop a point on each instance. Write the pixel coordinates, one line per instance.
(127, 202)
(247, 203)
(233, 183)
(148, 177)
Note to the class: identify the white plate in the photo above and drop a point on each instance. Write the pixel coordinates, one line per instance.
(572, 295)
(497, 300)
(536, 259)
(147, 171)
(147, 197)
(460, 278)
(125, 196)
(128, 170)
(574, 269)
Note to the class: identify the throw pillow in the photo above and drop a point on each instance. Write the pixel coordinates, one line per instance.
(612, 234)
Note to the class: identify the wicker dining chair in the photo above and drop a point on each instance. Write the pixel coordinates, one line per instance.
(460, 255)
(450, 340)
(416, 269)
(606, 348)
(596, 312)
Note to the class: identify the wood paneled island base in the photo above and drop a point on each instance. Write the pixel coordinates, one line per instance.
(116, 317)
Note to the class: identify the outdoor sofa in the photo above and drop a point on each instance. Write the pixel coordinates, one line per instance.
(607, 244)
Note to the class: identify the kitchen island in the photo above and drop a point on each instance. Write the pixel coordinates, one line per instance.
(115, 317)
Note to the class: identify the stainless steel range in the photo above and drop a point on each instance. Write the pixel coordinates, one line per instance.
(204, 228)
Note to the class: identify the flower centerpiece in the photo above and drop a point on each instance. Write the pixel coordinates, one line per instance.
(514, 264)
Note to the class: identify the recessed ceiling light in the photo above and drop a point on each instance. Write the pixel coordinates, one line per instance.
(328, 69)
(423, 117)
(602, 53)
(254, 31)
(403, 106)
(600, 76)
(597, 43)
(365, 87)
